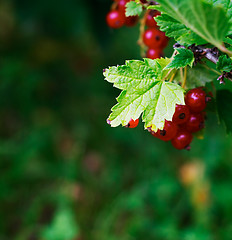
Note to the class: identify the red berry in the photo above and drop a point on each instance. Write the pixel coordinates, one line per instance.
(182, 139)
(195, 122)
(169, 131)
(181, 114)
(154, 53)
(131, 20)
(133, 123)
(195, 99)
(150, 21)
(153, 38)
(164, 42)
(115, 19)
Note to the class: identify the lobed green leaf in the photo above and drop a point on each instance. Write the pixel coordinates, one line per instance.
(144, 91)
(133, 8)
(224, 64)
(184, 58)
(209, 21)
(178, 31)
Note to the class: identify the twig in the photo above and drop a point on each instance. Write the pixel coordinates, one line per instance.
(172, 77)
(185, 77)
(167, 74)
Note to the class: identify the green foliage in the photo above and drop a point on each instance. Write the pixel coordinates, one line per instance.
(133, 9)
(197, 17)
(143, 91)
(184, 58)
(227, 7)
(228, 40)
(224, 108)
(224, 64)
(63, 226)
(177, 30)
(198, 76)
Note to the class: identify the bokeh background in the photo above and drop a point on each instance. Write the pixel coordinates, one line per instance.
(67, 175)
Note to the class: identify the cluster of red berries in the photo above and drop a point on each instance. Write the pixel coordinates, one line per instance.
(186, 120)
(116, 18)
(153, 38)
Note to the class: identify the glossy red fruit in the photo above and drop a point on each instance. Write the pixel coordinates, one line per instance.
(181, 114)
(195, 122)
(133, 123)
(115, 19)
(153, 38)
(169, 131)
(182, 140)
(164, 42)
(195, 99)
(150, 21)
(154, 53)
(131, 21)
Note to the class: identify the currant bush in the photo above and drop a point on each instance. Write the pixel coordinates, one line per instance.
(174, 86)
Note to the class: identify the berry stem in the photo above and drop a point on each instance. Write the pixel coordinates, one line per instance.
(114, 6)
(184, 78)
(181, 74)
(141, 32)
(167, 74)
(172, 77)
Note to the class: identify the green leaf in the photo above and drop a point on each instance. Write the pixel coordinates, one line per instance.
(184, 58)
(197, 76)
(224, 107)
(178, 31)
(143, 91)
(210, 22)
(62, 227)
(228, 40)
(159, 65)
(224, 63)
(227, 6)
(133, 9)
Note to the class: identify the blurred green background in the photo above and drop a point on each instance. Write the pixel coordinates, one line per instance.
(67, 175)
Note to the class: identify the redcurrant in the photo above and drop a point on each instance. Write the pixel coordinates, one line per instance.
(150, 21)
(195, 99)
(169, 131)
(131, 20)
(182, 139)
(153, 38)
(115, 19)
(181, 114)
(133, 123)
(154, 53)
(195, 122)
